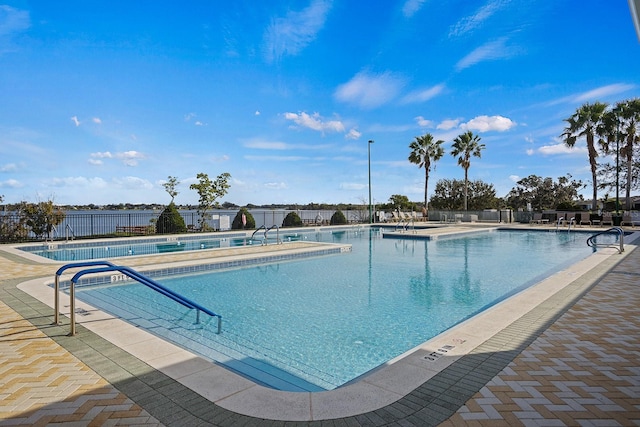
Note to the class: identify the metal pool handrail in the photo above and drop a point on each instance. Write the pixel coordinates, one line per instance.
(56, 296)
(618, 230)
(139, 278)
(266, 231)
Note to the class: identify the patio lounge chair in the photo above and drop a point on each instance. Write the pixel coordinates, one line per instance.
(626, 219)
(537, 219)
(585, 218)
(606, 219)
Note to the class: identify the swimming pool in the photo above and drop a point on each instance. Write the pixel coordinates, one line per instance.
(319, 323)
(83, 251)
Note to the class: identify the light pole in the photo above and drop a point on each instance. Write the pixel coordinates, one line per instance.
(369, 161)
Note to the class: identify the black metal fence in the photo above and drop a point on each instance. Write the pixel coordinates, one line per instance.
(96, 224)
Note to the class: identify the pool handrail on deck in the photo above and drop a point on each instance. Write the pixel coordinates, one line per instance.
(133, 274)
(56, 295)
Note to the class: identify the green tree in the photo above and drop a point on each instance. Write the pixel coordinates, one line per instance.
(587, 122)
(41, 217)
(424, 152)
(544, 193)
(170, 186)
(627, 115)
(237, 224)
(400, 202)
(465, 146)
(209, 191)
(170, 221)
(449, 195)
(292, 220)
(338, 218)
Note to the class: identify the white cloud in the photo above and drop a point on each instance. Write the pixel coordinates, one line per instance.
(75, 121)
(11, 183)
(129, 158)
(9, 167)
(275, 185)
(595, 94)
(352, 186)
(489, 51)
(423, 123)
(562, 149)
(514, 178)
(530, 151)
(470, 23)
(369, 91)
(276, 158)
(315, 122)
(291, 34)
(133, 183)
(265, 145)
(79, 182)
(103, 155)
(410, 7)
(353, 134)
(423, 95)
(448, 124)
(96, 120)
(489, 123)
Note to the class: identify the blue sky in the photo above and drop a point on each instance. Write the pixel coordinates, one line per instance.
(100, 101)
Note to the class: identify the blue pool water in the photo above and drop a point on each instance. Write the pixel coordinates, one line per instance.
(73, 251)
(317, 324)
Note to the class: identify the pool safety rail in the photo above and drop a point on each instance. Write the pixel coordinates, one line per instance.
(404, 225)
(591, 241)
(266, 231)
(105, 267)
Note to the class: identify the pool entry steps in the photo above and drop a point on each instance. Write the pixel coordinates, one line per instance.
(105, 267)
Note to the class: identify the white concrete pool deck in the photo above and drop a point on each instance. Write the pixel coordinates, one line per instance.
(375, 390)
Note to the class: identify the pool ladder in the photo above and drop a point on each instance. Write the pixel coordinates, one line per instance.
(405, 224)
(105, 267)
(591, 241)
(265, 241)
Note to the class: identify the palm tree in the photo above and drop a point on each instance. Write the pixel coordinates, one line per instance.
(424, 151)
(585, 122)
(465, 146)
(628, 115)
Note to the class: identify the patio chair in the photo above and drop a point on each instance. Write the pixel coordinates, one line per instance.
(607, 219)
(537, 218)
(585, 218)
(626, 219)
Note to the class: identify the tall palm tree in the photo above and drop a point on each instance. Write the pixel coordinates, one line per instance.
(585, 122)
(424, 152)
(628, 115)
(465, 146)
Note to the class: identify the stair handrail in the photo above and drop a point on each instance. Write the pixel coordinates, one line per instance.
(68, 229)
(133, 274)
(266, 240)
(617, 230)
(56, 295)
(258, 229)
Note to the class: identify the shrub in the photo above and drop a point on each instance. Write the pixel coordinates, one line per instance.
(170, 221)
(292, 220)
(237, 221)
(338, 218)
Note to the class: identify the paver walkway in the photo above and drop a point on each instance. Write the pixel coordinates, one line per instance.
(581, 368)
